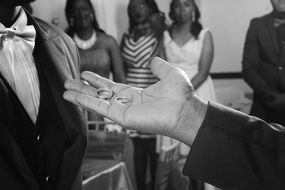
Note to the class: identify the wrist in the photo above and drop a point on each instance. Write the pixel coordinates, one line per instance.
(191, 117)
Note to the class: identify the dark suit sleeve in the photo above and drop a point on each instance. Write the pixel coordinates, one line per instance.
(251, 61)
(235, 151)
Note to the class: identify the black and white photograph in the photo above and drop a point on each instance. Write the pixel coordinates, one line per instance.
(142, 95)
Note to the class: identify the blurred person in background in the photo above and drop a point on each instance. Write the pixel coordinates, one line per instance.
(98, 51)
(189, 46)
(263, 64)
(139, 45)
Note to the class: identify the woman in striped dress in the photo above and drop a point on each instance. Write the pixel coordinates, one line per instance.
(139, 45)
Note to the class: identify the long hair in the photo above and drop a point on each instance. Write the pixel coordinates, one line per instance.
(68, 7)
(196, 25)
(151, 4)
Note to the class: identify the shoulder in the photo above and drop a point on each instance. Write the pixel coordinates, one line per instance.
(260, 20)
(205, 33)
(60, 41)
(157, 23)
(49, 31)
(126, 36)
(48, 28)
(106, 39)
(166, 36)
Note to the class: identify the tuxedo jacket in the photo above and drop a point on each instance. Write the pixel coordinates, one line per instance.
(236, 151)
(263, 64)
(63, 142)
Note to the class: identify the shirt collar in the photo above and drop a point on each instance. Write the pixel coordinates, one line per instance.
(21, 21)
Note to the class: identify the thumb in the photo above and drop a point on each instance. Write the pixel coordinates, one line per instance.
(160, 68)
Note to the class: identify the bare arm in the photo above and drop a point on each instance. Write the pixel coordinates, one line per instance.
(122, 45)
(157, 22)
(206, 60)
(116, 61)
(161, 51)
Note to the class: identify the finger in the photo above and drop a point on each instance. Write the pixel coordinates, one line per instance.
(96, 80)
(160, 68)
(88, 102)
(73, 84)
(79, 86)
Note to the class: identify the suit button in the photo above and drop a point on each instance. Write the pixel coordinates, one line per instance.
(38, 138)
(280, 68)
(47, 179)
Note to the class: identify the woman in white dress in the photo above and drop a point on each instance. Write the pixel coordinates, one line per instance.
(190, 47)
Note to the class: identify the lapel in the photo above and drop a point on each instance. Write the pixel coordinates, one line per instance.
(53, 56)
(269, 22)
(53, 59)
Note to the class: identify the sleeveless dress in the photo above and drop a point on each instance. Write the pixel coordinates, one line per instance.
(137, 56)
(187, 58)
(95, 60)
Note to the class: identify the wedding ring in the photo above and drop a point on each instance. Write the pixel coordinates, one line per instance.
(85, 82)
(123, 100)
(104, 93)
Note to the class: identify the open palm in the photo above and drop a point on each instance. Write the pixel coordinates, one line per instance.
(154, 109)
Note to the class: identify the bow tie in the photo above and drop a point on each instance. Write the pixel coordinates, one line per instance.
(27, 34)
(278, 22)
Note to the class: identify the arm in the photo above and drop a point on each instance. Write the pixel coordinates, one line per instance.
(122, 45)
(157, 22)
(161, 50)
(116, 61)
(206, 60)
(228, 148)
(251, 61)
(235, 151)
(163, 108)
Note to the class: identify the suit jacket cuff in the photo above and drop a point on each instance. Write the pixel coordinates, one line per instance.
(224, 152)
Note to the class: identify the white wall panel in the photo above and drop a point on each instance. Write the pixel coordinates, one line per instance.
(228, 20)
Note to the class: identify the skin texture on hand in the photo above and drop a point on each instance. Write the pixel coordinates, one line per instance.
(168, 107)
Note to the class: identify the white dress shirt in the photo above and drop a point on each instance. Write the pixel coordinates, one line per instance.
(17, 64)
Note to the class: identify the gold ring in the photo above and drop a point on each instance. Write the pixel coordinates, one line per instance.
(123, 100)
(104, 93)
(85, 82)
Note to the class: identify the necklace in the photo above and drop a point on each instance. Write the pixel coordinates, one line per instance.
(85, 44)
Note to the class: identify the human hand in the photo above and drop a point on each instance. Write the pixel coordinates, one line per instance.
(271, 96)
(168, 107)
(277, 103)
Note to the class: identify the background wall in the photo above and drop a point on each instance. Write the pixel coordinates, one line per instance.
(111, 14)
(227, 19)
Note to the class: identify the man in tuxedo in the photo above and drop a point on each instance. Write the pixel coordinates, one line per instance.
(42, 136)
(264, 64)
